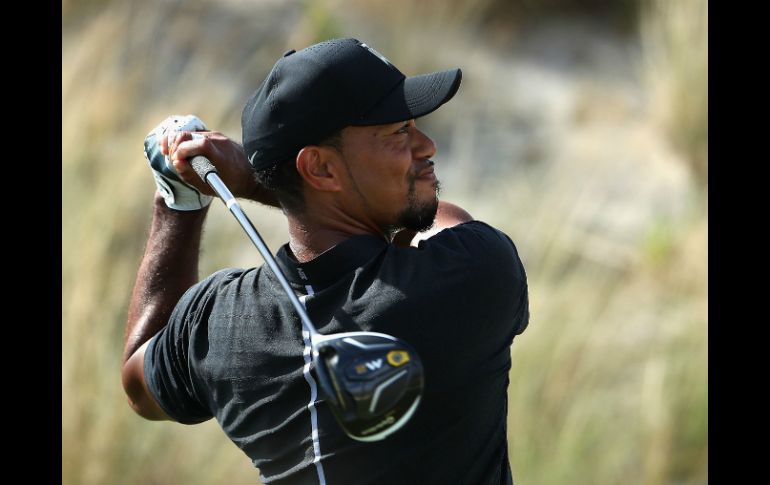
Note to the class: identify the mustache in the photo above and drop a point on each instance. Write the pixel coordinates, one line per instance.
(416, 171)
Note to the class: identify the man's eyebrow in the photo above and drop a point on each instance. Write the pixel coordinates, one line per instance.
(388, 127)
(401, 124)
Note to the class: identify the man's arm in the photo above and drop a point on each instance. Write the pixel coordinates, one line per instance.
(448, 215)
(169, 267)
(170, 263)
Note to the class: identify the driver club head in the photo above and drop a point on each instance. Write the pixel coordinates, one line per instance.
(373, 382)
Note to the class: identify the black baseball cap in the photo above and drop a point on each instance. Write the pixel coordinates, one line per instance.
(312, 93)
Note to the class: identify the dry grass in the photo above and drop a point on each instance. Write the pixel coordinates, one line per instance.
(675, 36)
(609, 383)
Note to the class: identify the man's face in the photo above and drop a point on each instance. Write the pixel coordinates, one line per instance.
(391, 183)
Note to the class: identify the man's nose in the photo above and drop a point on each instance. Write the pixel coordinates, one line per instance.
(422, 145)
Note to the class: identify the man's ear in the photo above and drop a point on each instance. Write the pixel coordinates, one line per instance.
(319, 166)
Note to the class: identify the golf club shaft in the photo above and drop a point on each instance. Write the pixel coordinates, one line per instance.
(206, 170)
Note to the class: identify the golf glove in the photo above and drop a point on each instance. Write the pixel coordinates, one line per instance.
(177, 194)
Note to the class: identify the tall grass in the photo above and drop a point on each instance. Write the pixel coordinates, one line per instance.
(609, 382)
(675, 36)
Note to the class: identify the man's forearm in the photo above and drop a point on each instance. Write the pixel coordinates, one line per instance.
(169, 267)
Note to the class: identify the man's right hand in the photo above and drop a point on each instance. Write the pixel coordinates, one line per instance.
(226, 155)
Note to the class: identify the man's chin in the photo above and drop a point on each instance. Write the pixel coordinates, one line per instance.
(419, 218)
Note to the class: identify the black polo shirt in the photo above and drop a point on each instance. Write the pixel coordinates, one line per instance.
(234, 349)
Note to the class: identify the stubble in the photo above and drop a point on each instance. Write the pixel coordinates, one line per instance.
(418, 215)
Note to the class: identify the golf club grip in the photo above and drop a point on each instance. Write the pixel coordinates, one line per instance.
(202, 166)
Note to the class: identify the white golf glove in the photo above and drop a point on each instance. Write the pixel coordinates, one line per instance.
(177, 194)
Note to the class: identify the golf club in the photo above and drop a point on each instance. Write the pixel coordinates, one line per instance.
(372, 382)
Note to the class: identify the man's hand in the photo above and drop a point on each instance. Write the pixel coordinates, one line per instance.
(177, 194)
(226, 155)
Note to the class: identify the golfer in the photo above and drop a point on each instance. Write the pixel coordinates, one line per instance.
(330, 138)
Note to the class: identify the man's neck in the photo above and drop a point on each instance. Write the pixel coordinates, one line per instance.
(310, 235)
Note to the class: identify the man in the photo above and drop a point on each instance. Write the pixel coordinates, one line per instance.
(332, 139)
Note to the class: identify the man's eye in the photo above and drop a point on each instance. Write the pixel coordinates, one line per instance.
(404, 129)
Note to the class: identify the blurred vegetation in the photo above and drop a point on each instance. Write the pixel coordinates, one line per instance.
(581, 130)
(677, 74)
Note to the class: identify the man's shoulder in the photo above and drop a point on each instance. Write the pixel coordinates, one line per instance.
(476, 227)
(474, 249)
(216, 283)
(224, 275)
(473, 237)
(227, 276)
(479, 227)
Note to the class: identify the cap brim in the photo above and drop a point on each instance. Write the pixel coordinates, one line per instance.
(416, 96)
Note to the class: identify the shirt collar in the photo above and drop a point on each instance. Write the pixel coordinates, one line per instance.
(332, 264)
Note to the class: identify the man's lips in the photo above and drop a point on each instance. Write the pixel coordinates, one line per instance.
(427, 174)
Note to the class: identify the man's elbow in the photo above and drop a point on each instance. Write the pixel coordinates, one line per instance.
(138, 396)
(147, 413)
(138, 408)
(449, 215)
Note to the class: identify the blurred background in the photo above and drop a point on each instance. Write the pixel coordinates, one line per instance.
(580, 129)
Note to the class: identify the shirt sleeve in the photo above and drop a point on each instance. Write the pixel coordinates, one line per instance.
(492, 254)
(169, 368)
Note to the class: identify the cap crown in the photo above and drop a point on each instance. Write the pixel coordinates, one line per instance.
(310, 94)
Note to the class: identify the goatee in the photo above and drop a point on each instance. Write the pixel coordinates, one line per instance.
(419, 215)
